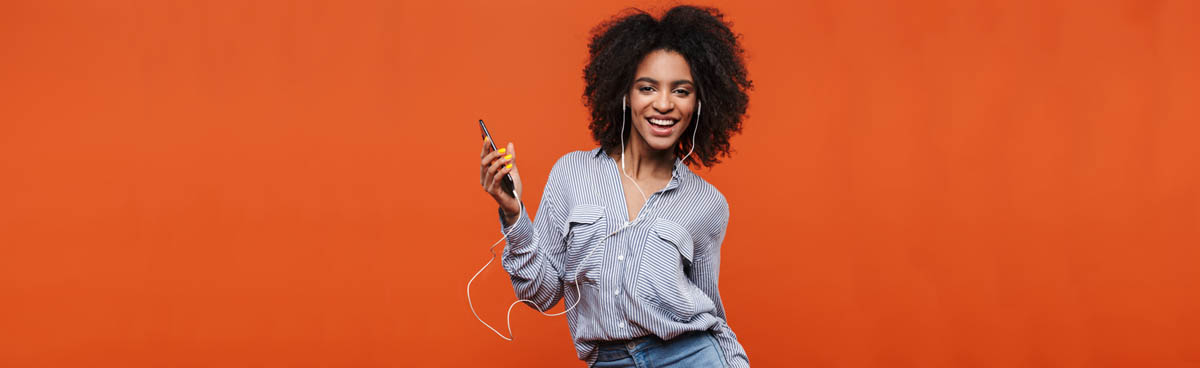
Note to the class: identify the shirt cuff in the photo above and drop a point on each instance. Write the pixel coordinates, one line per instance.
(519, 232)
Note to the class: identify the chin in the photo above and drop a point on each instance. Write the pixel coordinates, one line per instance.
(660, 143)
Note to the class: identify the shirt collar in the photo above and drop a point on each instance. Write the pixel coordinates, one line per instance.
(676, 173)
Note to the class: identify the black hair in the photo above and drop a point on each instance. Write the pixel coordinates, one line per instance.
(704, 39)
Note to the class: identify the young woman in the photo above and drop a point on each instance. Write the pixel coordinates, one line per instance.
(626, 233)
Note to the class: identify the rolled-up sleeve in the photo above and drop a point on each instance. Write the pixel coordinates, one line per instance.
(534, 252)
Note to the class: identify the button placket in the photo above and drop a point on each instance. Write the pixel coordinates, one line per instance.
(621, 275)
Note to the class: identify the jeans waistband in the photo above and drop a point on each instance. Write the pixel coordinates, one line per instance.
(627, 344)
(620, 349)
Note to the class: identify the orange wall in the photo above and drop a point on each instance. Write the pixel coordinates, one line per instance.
(273, 184)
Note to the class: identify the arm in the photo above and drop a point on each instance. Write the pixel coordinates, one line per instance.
(535, 252)
(706, 268)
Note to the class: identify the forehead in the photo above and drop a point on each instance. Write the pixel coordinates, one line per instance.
(664, 66)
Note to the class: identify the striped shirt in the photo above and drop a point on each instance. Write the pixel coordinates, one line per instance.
(656, 275)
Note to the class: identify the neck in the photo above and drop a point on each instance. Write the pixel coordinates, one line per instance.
(642, 161)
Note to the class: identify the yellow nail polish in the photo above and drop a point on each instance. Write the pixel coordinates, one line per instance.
(502, 150)
(507, 157)
(509, 166)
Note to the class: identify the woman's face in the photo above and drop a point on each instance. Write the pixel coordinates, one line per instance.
(662, 99)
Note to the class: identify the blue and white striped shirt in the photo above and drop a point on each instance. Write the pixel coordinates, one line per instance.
(656, 275)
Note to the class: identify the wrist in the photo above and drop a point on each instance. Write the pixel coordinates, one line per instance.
(509, 218)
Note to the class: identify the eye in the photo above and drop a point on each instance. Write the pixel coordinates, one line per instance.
(683, 92)
(646, 89)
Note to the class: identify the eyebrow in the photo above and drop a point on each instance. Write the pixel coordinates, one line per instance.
(653, 81)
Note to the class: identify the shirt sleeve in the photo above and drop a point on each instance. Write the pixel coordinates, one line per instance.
(706, 268)
(534, 252)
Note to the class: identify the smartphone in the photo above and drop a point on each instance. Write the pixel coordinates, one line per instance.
(507, 182)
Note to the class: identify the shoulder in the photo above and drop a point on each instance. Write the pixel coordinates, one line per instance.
(573, 164)
(707, 196)
(576, 158)
(570, 174)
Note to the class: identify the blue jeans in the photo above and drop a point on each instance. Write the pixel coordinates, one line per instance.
(693, 349)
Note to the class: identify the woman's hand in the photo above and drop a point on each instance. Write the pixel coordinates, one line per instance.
(493, 165)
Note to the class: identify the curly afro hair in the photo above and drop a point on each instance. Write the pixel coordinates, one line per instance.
(704, 39)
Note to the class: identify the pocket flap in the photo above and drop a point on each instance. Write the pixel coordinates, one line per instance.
(582, 214)
(585, 213)
(675, 234)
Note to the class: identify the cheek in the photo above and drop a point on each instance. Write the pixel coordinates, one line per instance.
(639, 107)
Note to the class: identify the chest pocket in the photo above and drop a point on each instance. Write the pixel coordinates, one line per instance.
(584, 233)
(661, 279)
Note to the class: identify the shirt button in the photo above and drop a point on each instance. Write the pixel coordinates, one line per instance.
(621, 325)
(621, 258)
(616, 292)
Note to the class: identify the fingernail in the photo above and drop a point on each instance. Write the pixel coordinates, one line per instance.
(509, 166)
(502, 150)
(506, 157)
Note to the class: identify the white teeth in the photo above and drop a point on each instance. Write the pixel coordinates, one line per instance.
(662, 122)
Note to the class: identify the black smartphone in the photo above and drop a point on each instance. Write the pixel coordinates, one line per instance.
(507, 182)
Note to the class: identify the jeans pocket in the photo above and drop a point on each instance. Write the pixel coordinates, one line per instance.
(712, 338)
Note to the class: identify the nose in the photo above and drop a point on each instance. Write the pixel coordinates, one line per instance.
(663, 103)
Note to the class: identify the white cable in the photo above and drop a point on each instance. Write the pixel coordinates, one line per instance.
(635, 184)
(694, 130)
(699, 106)
(508, 316)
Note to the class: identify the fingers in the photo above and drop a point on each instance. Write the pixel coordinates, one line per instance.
(488, 172)
(492, 156)
(511, 155)
(501, 164)
(487, 159)
(499, 175)
(495, 165)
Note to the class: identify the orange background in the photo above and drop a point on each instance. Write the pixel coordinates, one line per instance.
(293, 184)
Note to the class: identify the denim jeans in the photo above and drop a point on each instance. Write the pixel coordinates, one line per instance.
(693, 349)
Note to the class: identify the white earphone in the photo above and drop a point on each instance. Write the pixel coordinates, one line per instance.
(508, 316)
(695, 129)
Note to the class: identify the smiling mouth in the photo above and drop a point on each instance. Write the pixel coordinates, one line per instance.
(662, 123)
